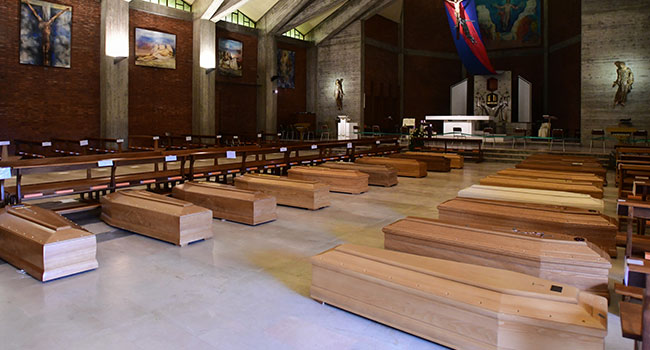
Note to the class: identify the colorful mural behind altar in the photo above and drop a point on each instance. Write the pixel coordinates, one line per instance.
(507, 24)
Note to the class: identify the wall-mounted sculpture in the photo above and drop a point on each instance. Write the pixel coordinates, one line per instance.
(624, 81)
(339, 94)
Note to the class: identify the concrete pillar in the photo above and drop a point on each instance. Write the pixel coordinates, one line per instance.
(267, 99)
(204, 77)
(114, 69)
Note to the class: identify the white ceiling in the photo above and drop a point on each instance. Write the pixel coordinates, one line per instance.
(394, 11)
(312, 23)
(255, 9)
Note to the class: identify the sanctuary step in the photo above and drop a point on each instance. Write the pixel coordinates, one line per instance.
(458, 305)
(311, 195)
(228, 202)
(379, 175)
(338, 180)
(157, 216)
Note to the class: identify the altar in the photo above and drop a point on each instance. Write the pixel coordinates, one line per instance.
(467, 123)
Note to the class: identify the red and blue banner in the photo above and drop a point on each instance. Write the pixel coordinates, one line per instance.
(463, 21)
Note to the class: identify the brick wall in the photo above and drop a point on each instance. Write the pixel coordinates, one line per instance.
(42, 102)
(160, 100)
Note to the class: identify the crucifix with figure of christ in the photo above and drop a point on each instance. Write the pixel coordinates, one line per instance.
(46, 31)
(460, 21)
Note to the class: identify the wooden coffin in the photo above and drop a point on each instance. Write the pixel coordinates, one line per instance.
(45, 244)
(524, 217)
(532, 196)
(157, 216)
(405, 167)
(458, 305)
(339, 180)
(543, 184)
(575, 167)
(434, 163)
(294, 193)
(456, 160)
(228, 202)
(561, 259)
(546, 174)
(379, 175)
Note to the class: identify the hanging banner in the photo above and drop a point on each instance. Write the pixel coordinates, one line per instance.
(463, 22)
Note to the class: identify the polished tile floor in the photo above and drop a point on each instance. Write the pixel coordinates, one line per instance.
(248, 288)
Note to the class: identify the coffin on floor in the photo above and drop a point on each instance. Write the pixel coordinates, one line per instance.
(523, 217)
(338, 180)
(548, 174)
(543, 184)
(459, 305)
(295, 193)
(552, 165)
(44, 244)
(379, 175)
(405, 167)
(434, 162)
(167, 219)
(456, 161)
(228, 202)
(561, 259)
(532, 196)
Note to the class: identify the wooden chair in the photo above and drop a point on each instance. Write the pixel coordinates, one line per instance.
(489, 132)
(376, 130)
(557, 134)
(324, 130)
(521, 133)
(597, 135)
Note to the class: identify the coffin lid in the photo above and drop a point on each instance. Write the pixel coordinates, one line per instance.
(329, 172)
(40, 225)
(203, 187)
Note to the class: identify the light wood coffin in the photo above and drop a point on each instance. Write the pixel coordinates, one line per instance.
(524, 217)
(434, 162)
(576, 167)
(561, 259)
(548, 174)
(157, 216)
(459, 305)
(532, 196)
(339, 180)
(295, 193)
(543, 184)
(228, 202)
(379, 175)
(405, 167)
(45, 244)
(456, 160)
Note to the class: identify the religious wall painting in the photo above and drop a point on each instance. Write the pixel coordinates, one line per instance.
(45, 33)
(509, 24)
(286, 69)
(230, 57)
(155, 49)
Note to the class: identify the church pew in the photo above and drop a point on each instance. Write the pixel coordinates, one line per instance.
(310, 195)
(546, 174)
(144, 143)
(378, 175)
(434, 163)
(44, 244)
(153, 215)
(597, 228)
(459, 305)
(543, 184)
(559, 258)
(405, 167)
(228, 202)
(30, 149)
(338, 180)
(628, 174)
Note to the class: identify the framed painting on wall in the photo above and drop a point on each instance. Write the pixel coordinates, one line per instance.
(286, 69)
(230, 57)
(45, 33)
(155, 49)
(507, 24)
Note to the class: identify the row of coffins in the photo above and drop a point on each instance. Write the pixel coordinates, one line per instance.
(502, 268)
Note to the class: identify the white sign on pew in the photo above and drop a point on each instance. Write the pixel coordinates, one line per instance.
(83, 143)
(314, 146)
(349, 144)
(235, 137)
(156, 138)
(188, 138)
(46, 144)
(259, 136)
(104, 163)
(283, 149)
(219, 136)
(170, 158)
(5, 173)
(231, 154)
(377, 142)
(119, 141)
(5, 143)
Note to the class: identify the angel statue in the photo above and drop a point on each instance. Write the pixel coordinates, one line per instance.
(624, 81)
(339, 94)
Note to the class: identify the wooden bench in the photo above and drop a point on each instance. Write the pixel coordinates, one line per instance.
(544, 184)
(310, 195)
(378, 175)
(458, 305)
(228, 202)
(153, 215)
(597, 228)
(44, 244)
(434, 163)
(405, 167)
(561, 259)
(338, 180)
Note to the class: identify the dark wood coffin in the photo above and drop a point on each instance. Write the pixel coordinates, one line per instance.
(295, 193)
(379, 175)
(544, 184)
(433, 162)
(405, 167)
(547, 174)
(339, 180)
